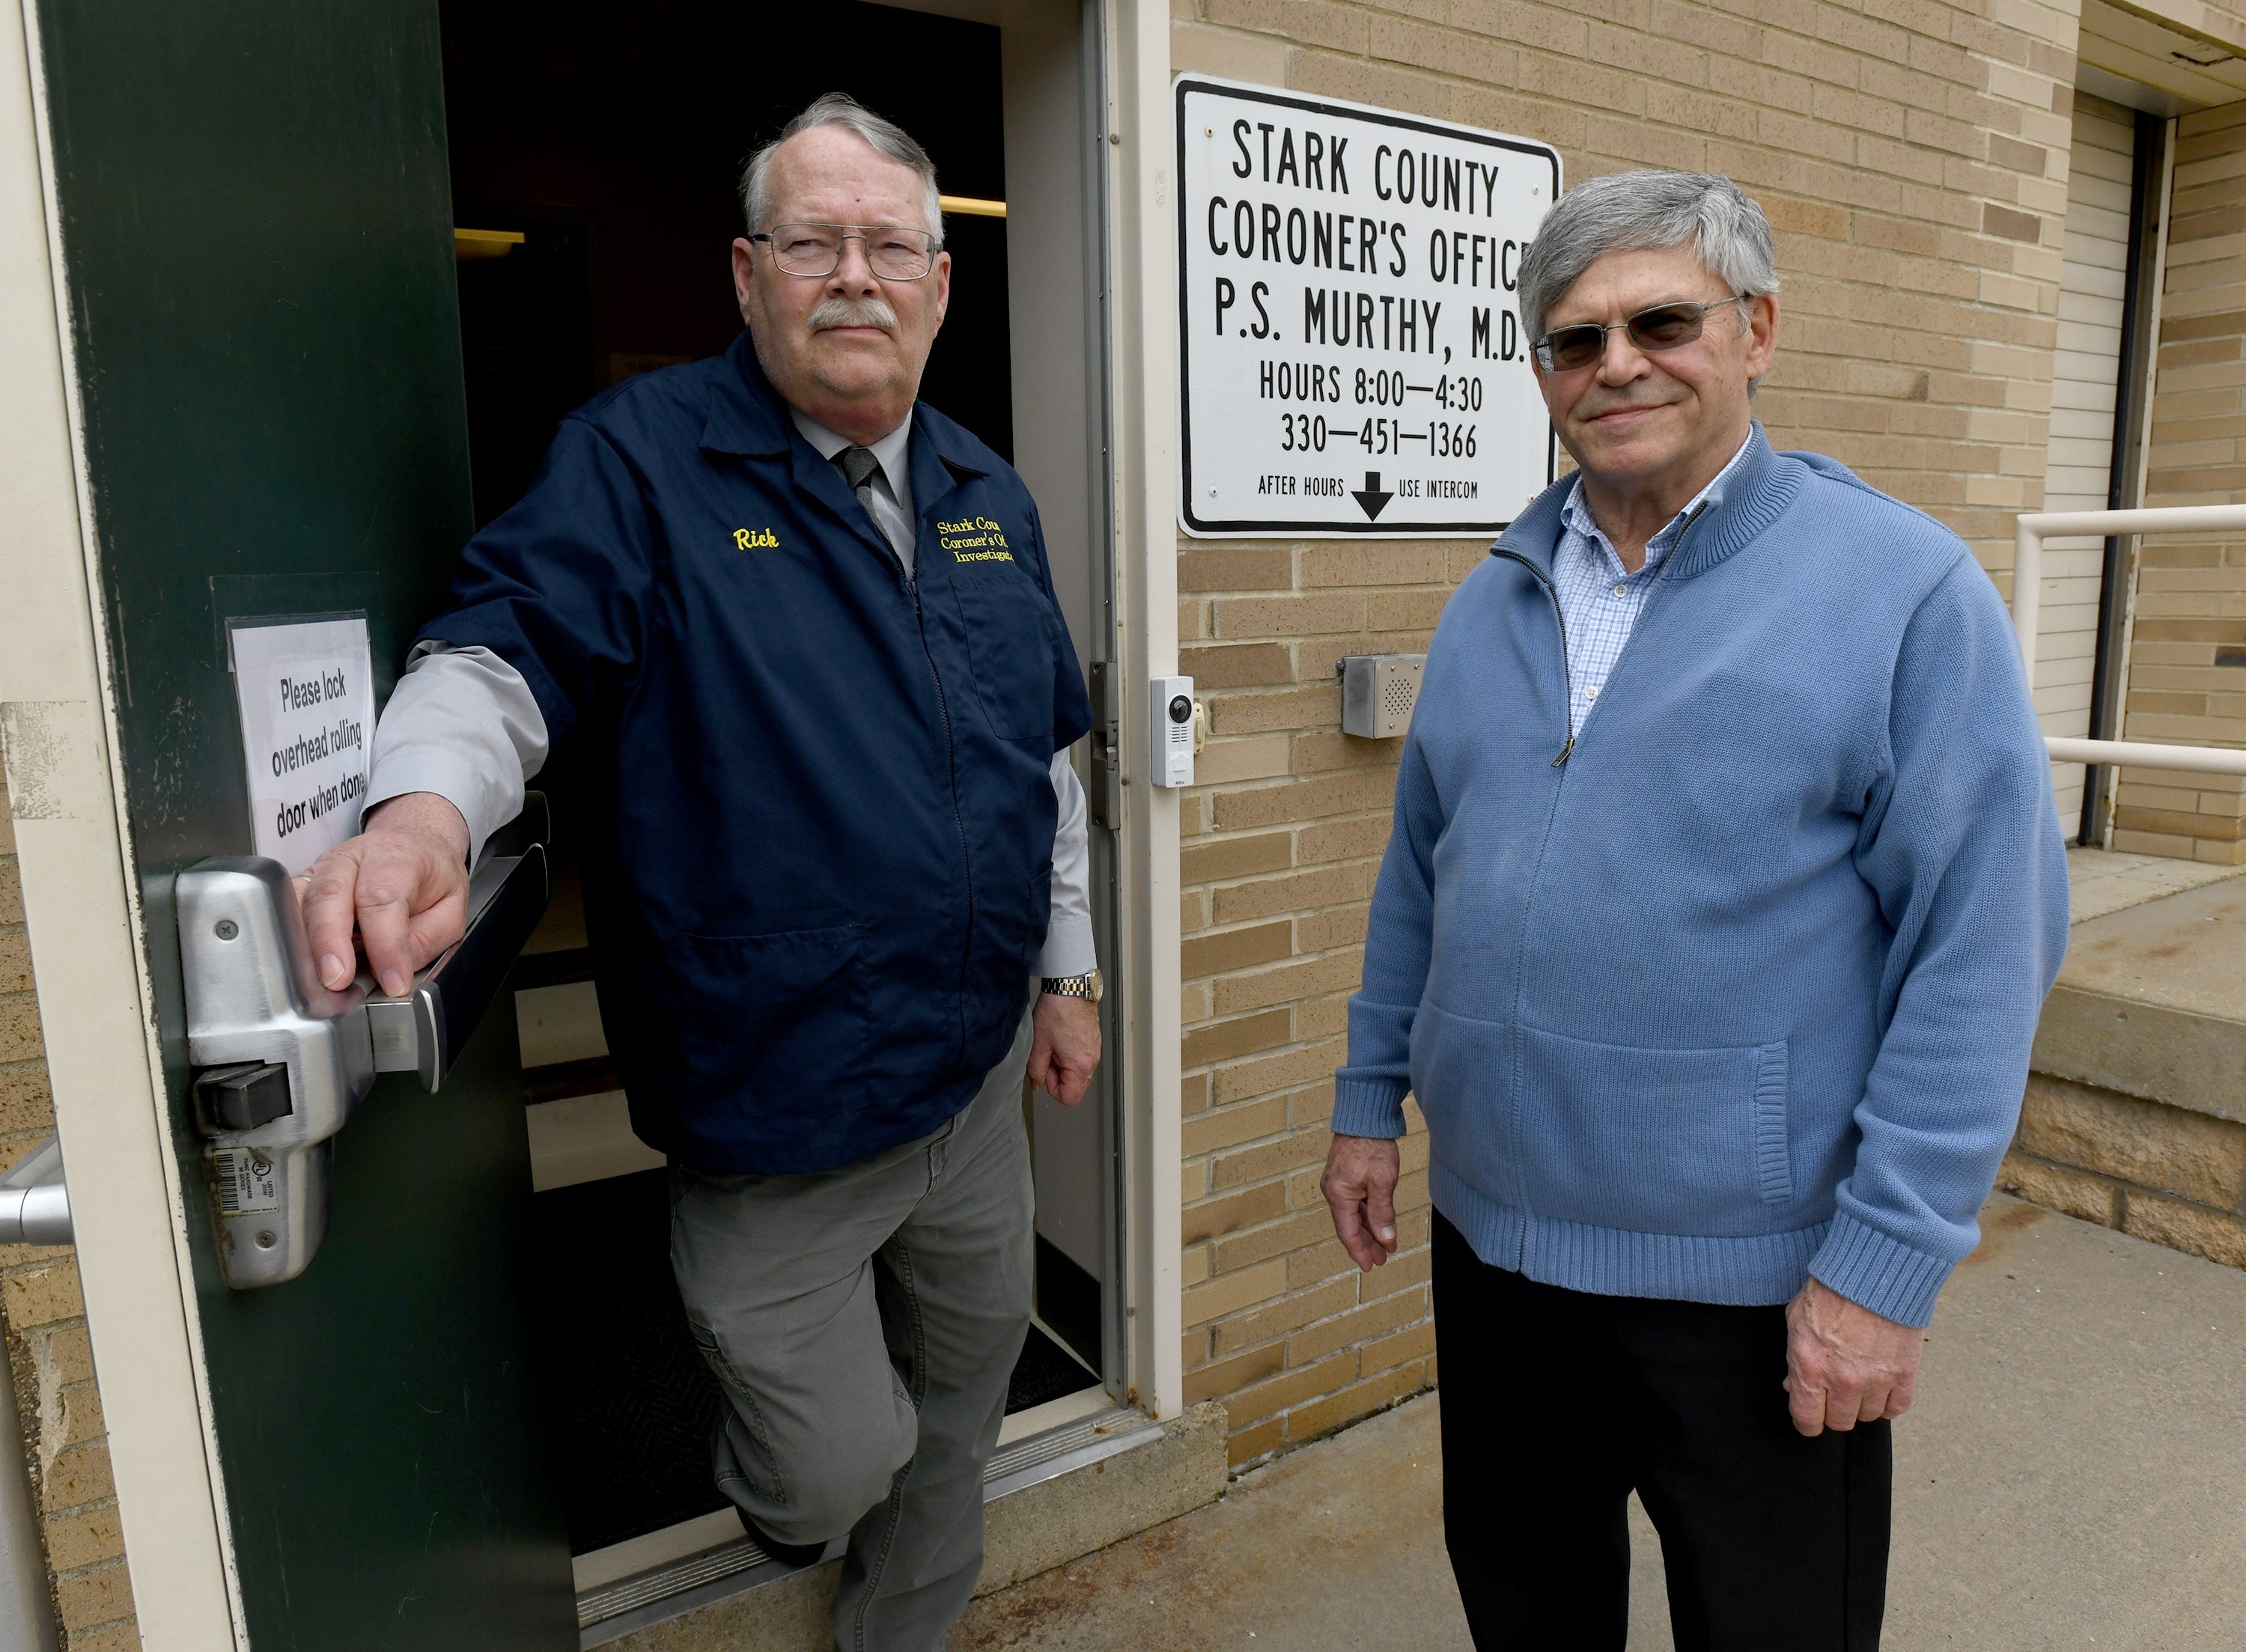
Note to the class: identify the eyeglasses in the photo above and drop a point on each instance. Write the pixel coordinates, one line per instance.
(1663, 327)
(892, 253)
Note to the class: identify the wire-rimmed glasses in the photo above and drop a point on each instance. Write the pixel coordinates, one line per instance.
(1663, 327)
(893, 252)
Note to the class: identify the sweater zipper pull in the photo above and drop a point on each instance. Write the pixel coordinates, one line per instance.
(1567, 680)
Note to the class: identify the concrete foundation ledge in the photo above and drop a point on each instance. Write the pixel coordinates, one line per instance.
(1064, 1519)
(2134, 1115)
(1027, 1531)
(2148, 1004)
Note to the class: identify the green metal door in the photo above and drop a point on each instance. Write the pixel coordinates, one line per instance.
(256, 240)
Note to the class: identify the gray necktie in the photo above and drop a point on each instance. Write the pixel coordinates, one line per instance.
(858, 465)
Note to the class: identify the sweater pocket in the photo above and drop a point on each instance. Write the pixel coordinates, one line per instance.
(1666, 1141)
(1462, 1073)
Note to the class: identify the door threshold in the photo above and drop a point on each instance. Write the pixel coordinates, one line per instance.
(613, 1609)
(1039, 1419)
(1064, 1449)
(599, 1568)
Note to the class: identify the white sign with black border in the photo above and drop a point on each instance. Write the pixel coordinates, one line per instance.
(1350, 358)
(305, 687)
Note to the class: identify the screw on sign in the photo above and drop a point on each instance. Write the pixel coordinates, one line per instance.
(1346, 309)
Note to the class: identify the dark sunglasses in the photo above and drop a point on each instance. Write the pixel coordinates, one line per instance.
(1664, 327)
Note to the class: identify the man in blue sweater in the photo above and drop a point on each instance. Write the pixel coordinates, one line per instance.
(1725, 888)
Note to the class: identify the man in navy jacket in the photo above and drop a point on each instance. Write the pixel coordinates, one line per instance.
(801, 630)
(1725, 888)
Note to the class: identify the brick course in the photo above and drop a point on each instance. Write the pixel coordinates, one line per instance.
(42, 1323)
(1912, 159)
(2175, 1177)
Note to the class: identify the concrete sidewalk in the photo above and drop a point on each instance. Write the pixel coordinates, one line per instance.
(2070, 1476)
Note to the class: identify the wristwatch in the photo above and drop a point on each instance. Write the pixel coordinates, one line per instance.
(1085, 986)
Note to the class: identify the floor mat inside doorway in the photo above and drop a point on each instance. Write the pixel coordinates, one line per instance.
(632, 1404)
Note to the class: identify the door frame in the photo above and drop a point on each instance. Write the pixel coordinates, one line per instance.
(82, 906)
(1128, 450)
(1143, 426)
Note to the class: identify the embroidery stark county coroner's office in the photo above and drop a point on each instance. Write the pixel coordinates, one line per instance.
(974, 539)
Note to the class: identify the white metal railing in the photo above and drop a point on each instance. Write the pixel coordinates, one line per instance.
(2027, 604)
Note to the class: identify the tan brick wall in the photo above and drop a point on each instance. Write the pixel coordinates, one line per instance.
(43, 1318)
(2161, 1172)
(2188, 651)
(2219, 21)
(1913, 156)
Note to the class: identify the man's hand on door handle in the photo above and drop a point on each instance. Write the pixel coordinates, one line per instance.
(402, 884)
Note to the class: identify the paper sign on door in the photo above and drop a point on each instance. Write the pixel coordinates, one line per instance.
(307, 698)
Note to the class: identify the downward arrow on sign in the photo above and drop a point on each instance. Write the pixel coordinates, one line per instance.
(1370, 497)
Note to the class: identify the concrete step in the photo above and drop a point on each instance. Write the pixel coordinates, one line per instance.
(2135, 1112)
(2152, 1002)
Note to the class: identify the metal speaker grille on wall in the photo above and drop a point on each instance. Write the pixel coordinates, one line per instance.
(1378, 693)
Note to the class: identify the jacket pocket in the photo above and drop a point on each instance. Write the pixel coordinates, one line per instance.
(1670, 1141)
(1008, 625)
(780, 1019)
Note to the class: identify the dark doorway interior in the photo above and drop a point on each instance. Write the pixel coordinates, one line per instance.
(594, 151)
(612, 136)
(635, 1404)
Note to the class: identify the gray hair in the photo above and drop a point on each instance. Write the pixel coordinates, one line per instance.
(886, 139)
(1632, 211)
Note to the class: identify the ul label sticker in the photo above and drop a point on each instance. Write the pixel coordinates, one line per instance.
(246, 1187)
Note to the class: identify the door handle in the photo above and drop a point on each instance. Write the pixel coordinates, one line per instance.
(281, 1060)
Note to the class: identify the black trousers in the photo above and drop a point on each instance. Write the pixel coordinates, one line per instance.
(1557, 1404)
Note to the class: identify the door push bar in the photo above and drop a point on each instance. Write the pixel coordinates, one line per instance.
(281, 1061)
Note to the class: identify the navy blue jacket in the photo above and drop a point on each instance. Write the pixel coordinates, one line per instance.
(824, 847)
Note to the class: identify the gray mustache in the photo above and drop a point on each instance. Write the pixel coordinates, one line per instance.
(854, 312)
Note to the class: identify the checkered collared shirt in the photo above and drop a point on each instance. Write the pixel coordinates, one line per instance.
(1600, 601)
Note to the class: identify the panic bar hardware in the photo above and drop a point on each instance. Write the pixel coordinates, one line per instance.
(255, 1005)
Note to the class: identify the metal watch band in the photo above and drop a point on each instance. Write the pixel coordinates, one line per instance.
(1083, 986)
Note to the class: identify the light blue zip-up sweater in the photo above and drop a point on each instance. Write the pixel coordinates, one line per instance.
(1740, 986)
